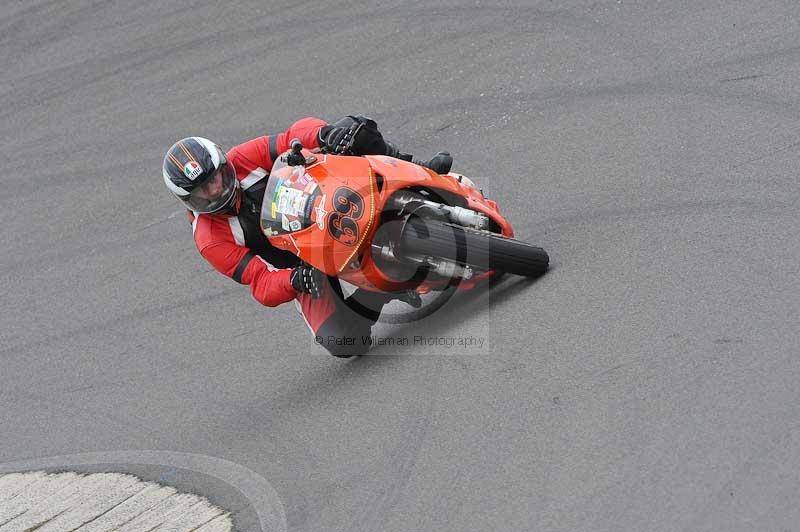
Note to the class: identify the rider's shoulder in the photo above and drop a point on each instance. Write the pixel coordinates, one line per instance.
(249, 153)
(211, 229)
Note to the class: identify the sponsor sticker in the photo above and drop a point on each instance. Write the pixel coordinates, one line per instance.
(278, 188)
(321, 212)
(192, 169)
(295, 225)
(291, 201)
(284, 222)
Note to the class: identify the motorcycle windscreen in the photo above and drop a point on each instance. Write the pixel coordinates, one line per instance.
(288, 200)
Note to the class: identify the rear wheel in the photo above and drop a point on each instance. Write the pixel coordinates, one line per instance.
(480, 249)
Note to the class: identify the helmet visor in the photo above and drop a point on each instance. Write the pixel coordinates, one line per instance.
(215, 193)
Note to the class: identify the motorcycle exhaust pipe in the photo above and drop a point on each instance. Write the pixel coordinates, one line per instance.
(442, 267)
(457, 215)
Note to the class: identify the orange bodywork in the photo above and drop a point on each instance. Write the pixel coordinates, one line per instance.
(348, 211)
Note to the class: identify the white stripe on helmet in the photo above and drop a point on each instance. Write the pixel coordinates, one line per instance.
(211, 148)
(175, 189)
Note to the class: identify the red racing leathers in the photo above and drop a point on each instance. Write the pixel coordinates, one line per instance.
(221, 238)
(234, 245)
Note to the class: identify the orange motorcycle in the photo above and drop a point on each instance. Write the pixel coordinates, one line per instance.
(388, 225)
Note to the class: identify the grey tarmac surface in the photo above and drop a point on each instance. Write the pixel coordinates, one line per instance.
(648, 382)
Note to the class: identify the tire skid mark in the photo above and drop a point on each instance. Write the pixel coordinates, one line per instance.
(125, 318)
(406, 458)
(741, 78)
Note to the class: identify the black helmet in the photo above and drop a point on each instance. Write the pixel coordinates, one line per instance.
(197, 172)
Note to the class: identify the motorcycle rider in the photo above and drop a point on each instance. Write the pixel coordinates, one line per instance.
(223, 192)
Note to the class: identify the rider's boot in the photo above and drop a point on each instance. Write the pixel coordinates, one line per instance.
(439, 163)
(410, 297)
(369, 304)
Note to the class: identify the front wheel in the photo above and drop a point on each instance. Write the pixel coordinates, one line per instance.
(480, 249)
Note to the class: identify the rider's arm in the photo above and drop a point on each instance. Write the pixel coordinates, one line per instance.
(268, 285)
(262, 151)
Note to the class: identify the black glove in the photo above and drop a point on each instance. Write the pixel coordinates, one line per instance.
(354, 135)
(307, 279)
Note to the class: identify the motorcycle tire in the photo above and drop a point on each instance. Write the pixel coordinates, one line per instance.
(483, 250)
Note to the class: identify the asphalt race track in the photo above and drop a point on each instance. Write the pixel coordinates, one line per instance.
(649, 381)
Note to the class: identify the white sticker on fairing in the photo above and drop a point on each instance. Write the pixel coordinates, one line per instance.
(192, 169)
(284, 222)
(291, 201)
(321, 212)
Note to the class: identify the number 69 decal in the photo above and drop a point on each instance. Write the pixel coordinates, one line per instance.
(349, 207)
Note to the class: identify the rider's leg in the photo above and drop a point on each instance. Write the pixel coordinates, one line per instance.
(359, 135)
(342, 326)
